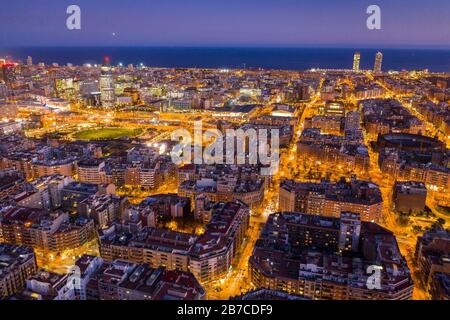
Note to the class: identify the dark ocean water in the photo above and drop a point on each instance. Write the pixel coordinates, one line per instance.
(270, 58)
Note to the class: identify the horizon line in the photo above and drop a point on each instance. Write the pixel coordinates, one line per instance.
(237, 46)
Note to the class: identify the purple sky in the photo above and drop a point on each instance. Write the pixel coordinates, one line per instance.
(413, 23)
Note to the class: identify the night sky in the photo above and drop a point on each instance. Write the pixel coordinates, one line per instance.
(412, 23)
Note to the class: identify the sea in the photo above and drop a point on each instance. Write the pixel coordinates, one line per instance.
(237, 57)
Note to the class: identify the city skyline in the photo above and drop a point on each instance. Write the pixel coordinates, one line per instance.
(102, 154)
(251, 150)
(232, 58)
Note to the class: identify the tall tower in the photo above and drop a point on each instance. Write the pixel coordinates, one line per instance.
(107, 94)
(356, 61)
(29, 61)
(378, 62)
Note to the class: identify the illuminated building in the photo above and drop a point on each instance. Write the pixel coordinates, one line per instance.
(183, 104)
(91, 171)
(171, 204)
(203, 208)
(42, 193)
(370, 91)
(328, 258)
(49, 188)
(88, 87)
(107, 90)
(153, 208)
(145, 168)
(63, 167)
(223, 183)
(54, 232)
(133, 93)
(29, 61)
(412, 157)
(65, 88)
(41, 162)
(215, 250)
(382, 116)
(17, 263)
(122, 280)
(330, 199)
(250, 92)
(187, 172)
(434, 113)
(208, 256)
(21, 162)
(249, 192)
(378, 62)
(283, 111)
(157, 247)
(103, 209)
(328, 91)
(147, 176)
(75, 192)
(46, 285)
(334, 108)
(432, 258)
(352, 121)
(346, 151)
(326, 124)
(11, 181)
(356, 61)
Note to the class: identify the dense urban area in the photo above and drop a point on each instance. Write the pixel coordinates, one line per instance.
(93, 207)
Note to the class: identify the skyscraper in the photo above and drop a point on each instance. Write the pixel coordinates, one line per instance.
(356, 61)
(29, 61)
(107, 95)
(378, 62)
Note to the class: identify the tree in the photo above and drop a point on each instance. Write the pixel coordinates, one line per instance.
(440, 222)
(403, 219)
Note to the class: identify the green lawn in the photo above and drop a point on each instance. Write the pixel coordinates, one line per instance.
(106, 133)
